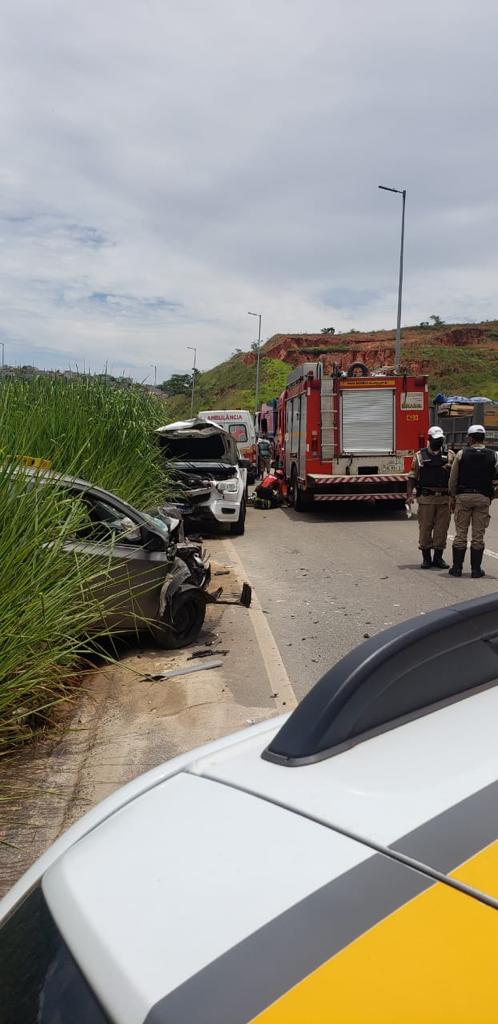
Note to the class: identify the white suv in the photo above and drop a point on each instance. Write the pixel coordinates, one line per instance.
(210, 470)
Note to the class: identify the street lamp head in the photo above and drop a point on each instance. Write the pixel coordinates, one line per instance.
(386, 188)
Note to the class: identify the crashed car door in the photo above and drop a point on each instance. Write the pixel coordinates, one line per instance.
(129, 574)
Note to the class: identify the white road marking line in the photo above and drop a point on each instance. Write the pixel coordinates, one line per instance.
(492, 554)
(276, 671)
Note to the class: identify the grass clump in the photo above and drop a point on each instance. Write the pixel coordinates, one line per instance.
(47, 610)
(104, 433)
(44, 617)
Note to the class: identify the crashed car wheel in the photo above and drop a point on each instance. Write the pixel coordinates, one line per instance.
(184, 620)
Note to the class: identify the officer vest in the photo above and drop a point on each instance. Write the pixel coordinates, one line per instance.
(477, 470)
(433, 469)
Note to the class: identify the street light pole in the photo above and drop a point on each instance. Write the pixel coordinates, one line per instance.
(400, 192)
(154, 367)
(3, 353)
(256, 401)
(194, 350)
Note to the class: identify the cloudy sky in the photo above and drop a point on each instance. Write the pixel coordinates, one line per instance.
(168, 165)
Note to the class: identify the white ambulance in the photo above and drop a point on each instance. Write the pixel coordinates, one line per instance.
(240, 424)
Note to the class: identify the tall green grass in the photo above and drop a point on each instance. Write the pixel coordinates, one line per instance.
(88, 430)
(105, 432)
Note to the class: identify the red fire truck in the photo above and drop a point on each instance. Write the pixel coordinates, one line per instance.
(348, 437)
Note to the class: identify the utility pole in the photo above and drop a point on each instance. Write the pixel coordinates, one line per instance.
(194, 350)
(400, 192)
(154, 367)
(256, 401)
(3, 353)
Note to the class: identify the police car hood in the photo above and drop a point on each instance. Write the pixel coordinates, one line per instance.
(188, 875)
(230, 890)
(226, 888)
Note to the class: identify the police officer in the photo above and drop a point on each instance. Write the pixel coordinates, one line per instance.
(429, 476)
(471, 490)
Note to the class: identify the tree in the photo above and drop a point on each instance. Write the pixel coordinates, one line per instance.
(436, 321)
(179, 383)
(328, 330)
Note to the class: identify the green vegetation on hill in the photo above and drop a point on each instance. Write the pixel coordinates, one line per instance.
(463, 371)
(457, 358)
(231, 385)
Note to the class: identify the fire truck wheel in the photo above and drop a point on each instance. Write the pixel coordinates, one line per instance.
(299, 500)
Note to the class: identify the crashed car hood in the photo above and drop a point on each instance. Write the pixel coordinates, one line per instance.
(198, 443)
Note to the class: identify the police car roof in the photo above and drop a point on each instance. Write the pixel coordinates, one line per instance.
(225, 883)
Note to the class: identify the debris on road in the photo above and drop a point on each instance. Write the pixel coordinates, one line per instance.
(244, 599)
(206, 654)
(185, 671)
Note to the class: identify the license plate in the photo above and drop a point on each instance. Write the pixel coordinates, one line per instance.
(392, 467)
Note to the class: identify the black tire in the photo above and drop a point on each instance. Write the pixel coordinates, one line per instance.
(365, 372)
(238, 528)
(299, 501)
(187, 612)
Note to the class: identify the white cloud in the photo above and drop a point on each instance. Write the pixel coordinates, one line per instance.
(167, 167)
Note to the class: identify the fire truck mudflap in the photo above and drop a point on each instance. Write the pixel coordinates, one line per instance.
(350, 438)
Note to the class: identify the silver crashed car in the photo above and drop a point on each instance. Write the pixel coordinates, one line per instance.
(148, 577)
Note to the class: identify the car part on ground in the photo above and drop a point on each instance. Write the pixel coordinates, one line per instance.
(211, 476)
(339, 883)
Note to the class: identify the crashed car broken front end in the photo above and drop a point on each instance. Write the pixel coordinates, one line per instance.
(211, 478)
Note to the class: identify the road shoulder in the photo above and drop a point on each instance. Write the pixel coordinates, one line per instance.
(122, 722)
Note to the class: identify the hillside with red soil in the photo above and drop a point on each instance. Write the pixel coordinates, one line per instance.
(423, 349)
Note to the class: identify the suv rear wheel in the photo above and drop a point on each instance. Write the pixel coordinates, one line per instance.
(238, 528)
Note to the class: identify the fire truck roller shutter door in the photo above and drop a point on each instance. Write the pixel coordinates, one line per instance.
(368, 421)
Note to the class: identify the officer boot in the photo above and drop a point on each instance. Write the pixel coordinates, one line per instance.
(475, 563)
(438, 560)
(427, 560)
(458, 557)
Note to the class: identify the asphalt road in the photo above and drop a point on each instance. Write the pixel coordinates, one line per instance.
(328, 578)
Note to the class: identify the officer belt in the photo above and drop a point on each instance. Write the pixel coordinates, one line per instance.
(426, 492)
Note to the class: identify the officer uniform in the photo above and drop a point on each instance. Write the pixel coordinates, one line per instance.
(471, 487)
(430, 473)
